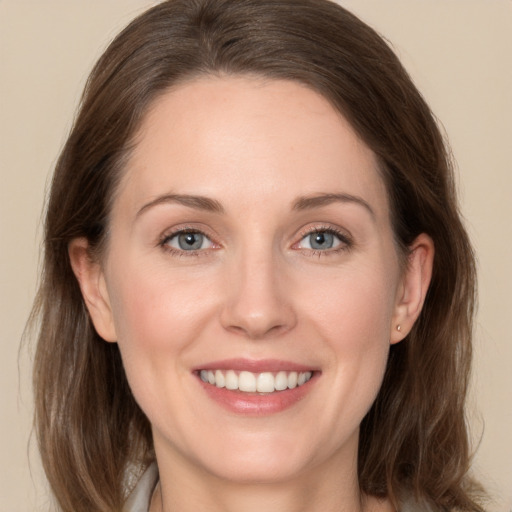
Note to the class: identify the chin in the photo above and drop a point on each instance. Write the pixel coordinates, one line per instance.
(246, 469)
(264, 458)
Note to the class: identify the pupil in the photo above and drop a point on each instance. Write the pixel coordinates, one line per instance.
(320, 239)
(189, 241)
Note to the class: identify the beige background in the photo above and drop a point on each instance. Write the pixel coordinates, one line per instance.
(458, 51)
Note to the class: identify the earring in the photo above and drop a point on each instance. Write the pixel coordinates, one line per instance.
(398, 327)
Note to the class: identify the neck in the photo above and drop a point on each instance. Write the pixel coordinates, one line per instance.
(331, 488)
(257, 497)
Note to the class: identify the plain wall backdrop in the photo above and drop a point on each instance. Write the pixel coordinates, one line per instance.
(459, 52)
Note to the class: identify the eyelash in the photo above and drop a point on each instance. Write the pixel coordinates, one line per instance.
(346, 242)
(167, 237)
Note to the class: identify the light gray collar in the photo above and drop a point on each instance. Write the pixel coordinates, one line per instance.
(140, 497)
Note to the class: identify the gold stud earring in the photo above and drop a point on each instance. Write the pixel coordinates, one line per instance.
(398, 327)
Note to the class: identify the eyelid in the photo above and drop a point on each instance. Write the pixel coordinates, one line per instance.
(184, 229)
(346, 240)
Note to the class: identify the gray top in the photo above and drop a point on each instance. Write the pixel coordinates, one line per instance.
(140, 497)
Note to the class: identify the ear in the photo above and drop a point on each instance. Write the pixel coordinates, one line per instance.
(413, 287)
(93, 286)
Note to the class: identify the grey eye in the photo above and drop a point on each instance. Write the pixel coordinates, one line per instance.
(321, 240)
(189, 241)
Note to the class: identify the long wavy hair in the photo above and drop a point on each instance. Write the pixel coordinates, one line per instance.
(91, 432)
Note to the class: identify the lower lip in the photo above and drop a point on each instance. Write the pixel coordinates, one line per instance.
(255, 404)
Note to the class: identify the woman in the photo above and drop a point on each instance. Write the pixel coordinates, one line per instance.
(257, 289)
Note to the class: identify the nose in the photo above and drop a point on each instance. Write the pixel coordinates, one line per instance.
(258, 304)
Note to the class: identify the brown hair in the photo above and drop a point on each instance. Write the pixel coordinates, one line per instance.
(414, 440)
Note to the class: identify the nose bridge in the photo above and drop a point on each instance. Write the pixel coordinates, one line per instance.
(258, 305)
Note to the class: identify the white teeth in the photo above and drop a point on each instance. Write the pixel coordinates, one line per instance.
(265, 383)
(248, 382)
(231, 380)
(281, 381)
(220, 381)
(292, 380)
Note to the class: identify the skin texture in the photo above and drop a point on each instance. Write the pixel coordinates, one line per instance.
(255, 290)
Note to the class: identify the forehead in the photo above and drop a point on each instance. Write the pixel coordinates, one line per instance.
(255, 135)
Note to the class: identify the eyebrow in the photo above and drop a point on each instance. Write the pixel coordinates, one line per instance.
(319, 200)
(196, 202)
(212, 205)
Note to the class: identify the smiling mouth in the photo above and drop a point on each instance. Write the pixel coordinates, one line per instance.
(249, 382)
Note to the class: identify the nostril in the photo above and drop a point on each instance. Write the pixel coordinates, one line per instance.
(257, 307)
(258, 329)
(255, 332)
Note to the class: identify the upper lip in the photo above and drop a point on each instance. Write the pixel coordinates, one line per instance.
(256, 366)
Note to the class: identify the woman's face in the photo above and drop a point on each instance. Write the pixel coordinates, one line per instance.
(251, 248)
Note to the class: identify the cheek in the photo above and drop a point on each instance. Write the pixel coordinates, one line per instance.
(353, 315)
(158, 315)
(355, 307)
(158, 308)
